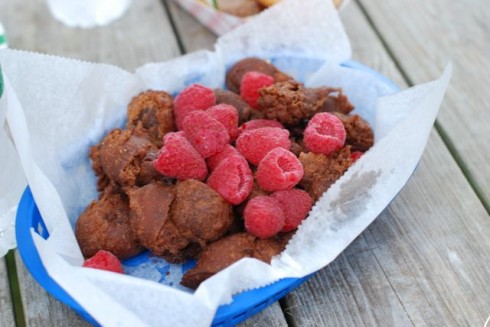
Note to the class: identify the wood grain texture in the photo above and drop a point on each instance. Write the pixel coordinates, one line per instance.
(351, 291)
(424, 261)
(6, 307)
(424, 36)
(435, 252)
(193, 35)
(272, 316)
(142, 35)
(40, 308)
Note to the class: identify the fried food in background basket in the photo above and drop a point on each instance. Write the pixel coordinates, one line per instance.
(244, 8)
(222, 16)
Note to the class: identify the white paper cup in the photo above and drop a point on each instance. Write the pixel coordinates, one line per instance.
(87, 13)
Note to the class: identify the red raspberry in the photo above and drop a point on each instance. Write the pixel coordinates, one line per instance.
(251, 83)
(325, 133)
(296, 205)
(259, 123)
(256, 143)
(194, 97)
(206, 134)
(104, 260)
(263, 216)
(279, 170)
(215, 160)
(179, 159)
(354, 156)
(228, 116)
(232, 179)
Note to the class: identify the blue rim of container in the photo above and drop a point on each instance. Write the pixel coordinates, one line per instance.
(244, 304)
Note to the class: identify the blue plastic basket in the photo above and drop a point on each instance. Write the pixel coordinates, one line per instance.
(244, 304)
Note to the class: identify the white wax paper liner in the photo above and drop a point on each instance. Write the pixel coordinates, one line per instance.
(12, 180)
(57, 108)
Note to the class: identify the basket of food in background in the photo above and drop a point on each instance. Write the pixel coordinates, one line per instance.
(221, 16)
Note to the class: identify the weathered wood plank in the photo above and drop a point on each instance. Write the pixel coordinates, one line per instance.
(424, 36)
(435, 252)
(6, 306)
(424, 261)
(194, 36)
(143, 35)
(40, 308)
(271, 316)
(351, 291)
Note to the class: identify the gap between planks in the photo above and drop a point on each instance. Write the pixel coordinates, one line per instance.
(437, 125)
(7, 294)
(426, 35)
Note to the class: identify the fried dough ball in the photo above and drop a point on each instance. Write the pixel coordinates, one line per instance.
(337, 101)
(104, 225)
(174, 222)
(228, 97)
(240, 8)
(267, 3)
(291, 104)
(200, 213)
(150, 114)
(359, 134)
(118, 157)
(228, 250)
(322, 171)
(236, 72)
(151, 222)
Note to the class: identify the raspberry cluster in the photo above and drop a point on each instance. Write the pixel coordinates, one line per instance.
(282, 211)
(211, 146)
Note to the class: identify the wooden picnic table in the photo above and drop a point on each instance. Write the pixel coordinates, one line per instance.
(426, 259)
